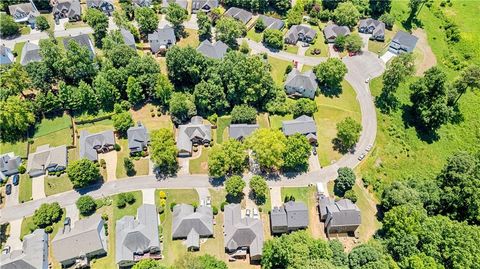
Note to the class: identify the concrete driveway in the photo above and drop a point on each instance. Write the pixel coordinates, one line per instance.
(313, 163)
(15, 230)
(276, 196)
(365, 38)
(72, 213)
(184, 165)
(111, 161)
(148, 196)
(38, 187)
(387, 56)
(203, 193)
(192, 23)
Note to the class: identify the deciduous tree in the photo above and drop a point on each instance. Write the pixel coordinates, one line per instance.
(304, 106)
(176, 15)
(83, 172)
(330, 73)
(8, 27)
(134, 91)
(99, 22)
(348, 133)
(227, 158)
(47, 214)
(42, 23)
(122, 121)
(228, 30)
(346, 14)
(186, 66)
(353, 43)
(273, 38)
(182, 107)
(163, 151)
(344, 181)
(268, 147)
(260, 188)
(147, 20)
(16, 116)
(244, 114)
(204, 25)
(234, 186)
(210, 97)
(297, 152)
(86, 205)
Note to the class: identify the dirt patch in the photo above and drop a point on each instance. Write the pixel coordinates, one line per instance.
(315, 226)
(111, 162)
(427, 58)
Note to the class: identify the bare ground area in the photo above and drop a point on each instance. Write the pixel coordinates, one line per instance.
(428, 59)
(315, 226)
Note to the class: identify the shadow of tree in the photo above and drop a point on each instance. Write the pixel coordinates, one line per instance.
(338, 146)
(331, 91)
(410, 120)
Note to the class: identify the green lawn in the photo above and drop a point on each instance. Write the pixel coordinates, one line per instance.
(96, 127)
(291, 48)
(301, 194)
(24, 189)
(25, 30)
(77, 24)
(48, 126)
(54, 184)
(278, 69)
(319, 44)
(368, 213)
(144, 115)
(141, 165)
(28, 226)
(17, 49)
(276, 120)
(380, 47)
(54, 139)
(199, 165)
(222, 125)
(191, 40)
(253, 35)
(19, 148)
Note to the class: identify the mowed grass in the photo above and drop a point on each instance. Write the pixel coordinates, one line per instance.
(379, 47)
(58, 138)
(278, 68)
(24, 188)
(48, 126)
(276, 120)
(96, 127)
(200, 165)
(18, 148)
(141, 165)
(319, 44)
(54, 184)
(291, 48)
(300, 193)
(17, 49)
(222, 126)
(253, 35)
(144, 115)
(28, 226)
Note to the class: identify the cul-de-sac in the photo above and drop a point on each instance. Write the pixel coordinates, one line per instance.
(263, 134)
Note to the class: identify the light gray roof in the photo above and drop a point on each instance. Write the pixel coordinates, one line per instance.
(182, 3)
(6, 55)
(302, 125)
(83, 40)
(162, 37)
(100, 3)
(23, 12)
(89, 143)
(138, 235)
(239, 131)
(142, 3)
(205, 5)
(333, 30)
(239, 14)
(216, 51)
(343, 213)
(278, 217)
(297, 214)
(242, 232)
(377, 26)
(86, 236)
(30, 53)
(70, 7)
(186, 219)
(47, 157)
(9, 163)
(33, 255)
(138, 137)
(128, 38)
(305, 80)
(404, 41)
(296, 30)
(193, 239)
(272, 23)
(194, 130)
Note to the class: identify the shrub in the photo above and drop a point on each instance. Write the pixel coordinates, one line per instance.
(103, 163)
(129, 167)
(129, 198)
(172, 205)
(244, 114)
(163, 202)
(121, 203)
(213, 118)
(215, 210)
(105, 216)
(117, 147)
(105, 226)
(160, 210)
(288, 69)
(162, 195)
(222, 206)
(351, 195)
(195, 205)
(49, 229)
(22, 169)
(273, 38)
(86, 205)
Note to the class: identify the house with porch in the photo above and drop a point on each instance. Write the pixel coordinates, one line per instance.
(138, 138)
(302, 125)
(192, 134)
(162, 39)
(292, 216)
(192, 224)
(106, 6)
(240, 14)
(47, 159)
(24, 13)
(301, 33)
(298, 84)
(332, 31)
(67, 9)
(374, 27)
(203, 5)
(32, 255)
(341, 216)
(402, 42)
(93, 144)
(9, 164)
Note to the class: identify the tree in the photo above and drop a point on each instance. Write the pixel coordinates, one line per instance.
(430, 100)
(129, 166)
(163, 89)
(42, 23)
(304, 106)
(204, 25)
(399, 193)
(163, 151)
(295, 15)
(297, 152)
(99, 22)
(77, 64)
(469, 78)
(147, 20)
(16, 116)
(41, 76)
(176, 15)
(13, 80)
(234, 186)
(206, 261)
(259, 25)
(348, 133)
(83, 172)
(268, 147)
(52, 55)
(346, 14)
(148, 264)
(47, 214)
(387, 18)
(260, 188)
(47, 104)
(227, 158)
(210, 97)
(106, 92)
(228, 30)
(86, 205)
(330, 73)
(122, 122)
(134, 91)
(244, 114)
(273, 38)
(363, 256)
(210, 262)
(353, 43)
(344, 181)
(282, 5)
(415, 8)
(8, 27)
(380, 7)
(339, 257)
(182, 107)
(339, 42)
(186, 66)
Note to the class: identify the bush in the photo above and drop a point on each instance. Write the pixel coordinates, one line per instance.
(304, 106)
(222, 206)
(273, 38)
(22, 169)
(172, 205)
(234, 186)
(288, 69)
(47, 214)
(244, 48)
(129, 166)
(117, 147)
(215, 210)
(351, 195)
(86, 205)
(121, 203)
(345, 181)
(49, 229)
(162, 195)
(213, 118)
(195, 205)
(244, 114)
(105, 216)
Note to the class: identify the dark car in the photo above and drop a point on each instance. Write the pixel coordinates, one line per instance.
(8, 189)
(314, 150)
(66, 221)
(15, 180)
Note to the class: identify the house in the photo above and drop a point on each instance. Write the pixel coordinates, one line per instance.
(182, 3)
(271, 23)
(215, 51)
(24, 12)
(142, 3)
(30, 53)
(138, 138)
(240, 131)
(6, 55)
(84, 241)
(332, 31)
(194, 133)
(242, 234)
(128, 38)
(301, 84)
(63, 9)
(300, 33)
(342, 216)
(162, 39)
(292, 216)
(83, 40)
(374, 27)
(402, 42)
(203, 5)
(106, 6)
(302, 125)
(33, 255)
(47, 159)
(137, 238)
(9, 164)
(93, 144)
(239, 14)
(191, 224)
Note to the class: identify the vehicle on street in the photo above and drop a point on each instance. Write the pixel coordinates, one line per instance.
(369, 147)
(247, 213)
(361, 157)
(6, 250)
(66, 221)
(8, 189)
(314, 151)
(367, 80)
(16, 180)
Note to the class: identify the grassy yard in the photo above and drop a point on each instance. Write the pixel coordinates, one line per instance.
(48, 126)
(96, 127)
(25, 188)
(144, 115)
(191, 39)
(54, 184)
(18, 148)
(262, 120)
(199, 165)
(54, 139)
(25, 30)
(379, 47)
(253, 35)
(28, 226)
(77, 24)
(276, 120)
(141, 165)
(278, 69)
(291, 48)
(300, 193)
(368, 212)
(222, 125)
(319, 44)
(17, 49)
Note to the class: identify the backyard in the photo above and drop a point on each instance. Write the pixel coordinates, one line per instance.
(144, 115)
(54, 132)
(95, 127)
(190, 40)
(222, 125)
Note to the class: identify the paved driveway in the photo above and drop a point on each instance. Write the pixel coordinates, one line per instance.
(387, 56)
(38, 187)
(276, 196)
(111, 161)
(148, 196)
(192, 23)
(72, 213)
(12, 199)
(313, 163)
(15, 230)
(203, 193)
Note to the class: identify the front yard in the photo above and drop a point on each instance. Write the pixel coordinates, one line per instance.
(24, 189)
(278, 68)
(54, 184)
(199, 165)
(253, 35)
(141, 165)
(319, 44)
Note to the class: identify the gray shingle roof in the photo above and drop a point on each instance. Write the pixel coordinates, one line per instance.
(186, 219)
(128, 38)
(372, 26)
(70, 8)
(23, 12)
(30, 53)
(295, 31)
(344, 212)
(142, 3)
(6, 55)
(302, 125)
(138, 137)
(91, 143)
(239, 14)
(403, 41)
(195, 130)
(204, 5)
(297, 215)
(181, 3)
(332, 31)
(272, 23)
(216, 51)
(9, 164)
(162, 38)
(306, 80)
(104, 5)
(47, 158)
(33, 255)
(239, 131)
(82, 40)
(278, 217)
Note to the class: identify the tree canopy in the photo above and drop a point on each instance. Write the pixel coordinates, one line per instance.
(346, 14)
(16, 116)
(348, 133)
(147, 20)
(297, 153)
(227, 158)
(163, 151)
(268, 146)
(330, 73)
(83, 172)
(47, 214)
(345, 180)
(234, 186)
(228, 29)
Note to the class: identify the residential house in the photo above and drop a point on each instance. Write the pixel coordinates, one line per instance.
(374, 27)
(332, 31)
(83, 40)
(85, 241)
(403, 42)
(301, 33)
(162, 39)
(239, 14)
(93, 144)
(271, 22)
(9, 164)
(194, 133)
(47, 159)
(137, 238)
(6, 55)
(240, 131)
(215, 51)
(106, 6)
(341, 216)
(203, 5)
(191, 224)
(142, 3)
(138, 138)
(182, 3)
(24, 12)
(63, 9)
(33, 255)
(302, 125)
(292, 216)
(128, 38)
(30, 53)
(301, 84)
(242, 235)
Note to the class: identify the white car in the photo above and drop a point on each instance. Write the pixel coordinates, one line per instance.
(367, 80)
(256, 215)
(247, 213)
(369, 147)
(361, 157)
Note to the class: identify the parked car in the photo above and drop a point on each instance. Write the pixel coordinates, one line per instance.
(16, 180)
(361, 157)
(8, 189)
(256, 215)
(367, 80)
(247, 213)
(369, 147)
(314, 150)
(6, 250)
(209, 201)
(66, 221)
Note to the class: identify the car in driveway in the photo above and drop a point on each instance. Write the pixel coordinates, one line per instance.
(8, 189)
(314, 151)
(6, 250)
(66, 222)
(247, 213)
(361, 157)
(256, 214)
(16, 180)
